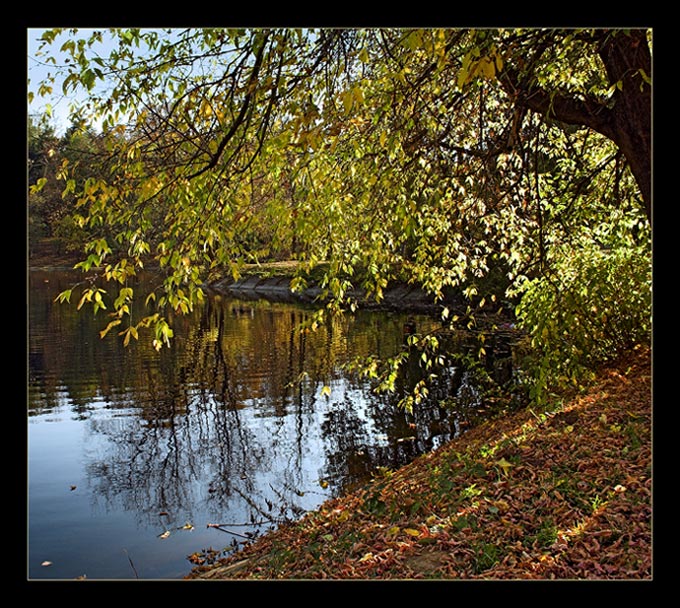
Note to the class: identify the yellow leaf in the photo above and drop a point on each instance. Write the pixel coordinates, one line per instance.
(504, 464)
(105, 331)
(347, 100)
(344, 516)
(326, 390)
(165, 534)
(486, 68)
(394, 530)
(368, 556)
(412, 532)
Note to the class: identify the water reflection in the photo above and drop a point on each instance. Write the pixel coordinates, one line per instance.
(229, 425)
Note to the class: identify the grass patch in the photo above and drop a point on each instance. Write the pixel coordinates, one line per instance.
(486, 555)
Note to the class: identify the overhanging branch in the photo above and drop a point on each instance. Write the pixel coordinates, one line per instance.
(587, 112)
(250, 93)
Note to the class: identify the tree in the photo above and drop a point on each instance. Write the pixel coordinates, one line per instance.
(433, 156)
(615, 103)
(42, 148)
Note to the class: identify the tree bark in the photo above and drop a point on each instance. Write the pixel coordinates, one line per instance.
(626, 120)
(625, 58)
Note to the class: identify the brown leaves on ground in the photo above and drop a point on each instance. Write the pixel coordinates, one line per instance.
(563, 495)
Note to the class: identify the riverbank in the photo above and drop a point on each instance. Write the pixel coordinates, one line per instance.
(273, 281)
(564, 494)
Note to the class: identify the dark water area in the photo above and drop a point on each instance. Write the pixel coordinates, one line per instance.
(132, 453)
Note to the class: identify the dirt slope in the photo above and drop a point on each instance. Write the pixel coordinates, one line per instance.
(564, 495)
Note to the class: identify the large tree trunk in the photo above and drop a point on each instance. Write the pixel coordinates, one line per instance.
(627, 60)
(626, 120)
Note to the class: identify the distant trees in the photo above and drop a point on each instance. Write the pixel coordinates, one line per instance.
(433, 156)
(57, 166)
(42, 163)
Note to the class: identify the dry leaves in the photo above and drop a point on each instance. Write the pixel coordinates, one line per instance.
(565, 495)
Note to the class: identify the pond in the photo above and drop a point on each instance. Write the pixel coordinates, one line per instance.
(134, 455)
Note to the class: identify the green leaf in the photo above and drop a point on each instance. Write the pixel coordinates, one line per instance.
(347, 101)
(64, 296)
(39, 185)
(504, 465)
(69, 82)
(87, 77)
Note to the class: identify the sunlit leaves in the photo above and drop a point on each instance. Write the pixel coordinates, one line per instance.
(596, 306)
(38, 186)
(130, 332)
(477, 65)
(163, 334)
(235, 146)
(93, 296)
(109, 327)
(64, 296)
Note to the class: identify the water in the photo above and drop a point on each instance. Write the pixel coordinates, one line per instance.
(133, 453)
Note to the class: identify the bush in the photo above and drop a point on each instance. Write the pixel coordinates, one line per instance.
(592, 307)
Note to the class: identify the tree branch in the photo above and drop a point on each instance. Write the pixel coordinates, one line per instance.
(587, 111)
(250, 93)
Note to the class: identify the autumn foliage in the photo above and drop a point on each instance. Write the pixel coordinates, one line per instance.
(564, 494)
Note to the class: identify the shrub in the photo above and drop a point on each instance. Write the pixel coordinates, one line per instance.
(592, 307)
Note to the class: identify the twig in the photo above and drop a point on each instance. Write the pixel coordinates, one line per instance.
(131, 564)
(220, 527)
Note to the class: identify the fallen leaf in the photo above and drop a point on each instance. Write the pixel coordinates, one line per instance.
(504, 464)
(549, 469)
(165, 534)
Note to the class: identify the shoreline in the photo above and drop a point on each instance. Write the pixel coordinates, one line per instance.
(560, 495)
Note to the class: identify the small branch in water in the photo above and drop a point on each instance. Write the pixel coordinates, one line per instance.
(131, 564)
(223, 529)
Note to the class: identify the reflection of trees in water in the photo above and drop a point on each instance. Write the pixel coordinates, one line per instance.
(201, 457)
(190, 445)
(226, 421)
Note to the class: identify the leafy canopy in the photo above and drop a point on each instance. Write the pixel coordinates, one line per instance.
(433, 156)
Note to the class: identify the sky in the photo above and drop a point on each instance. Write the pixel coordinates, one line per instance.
(37, 70)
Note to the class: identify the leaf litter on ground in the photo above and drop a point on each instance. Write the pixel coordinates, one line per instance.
(559, 495)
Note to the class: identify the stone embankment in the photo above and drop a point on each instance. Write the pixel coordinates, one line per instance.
(400, 296)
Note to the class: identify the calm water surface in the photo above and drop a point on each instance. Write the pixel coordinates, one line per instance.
(132, 453)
